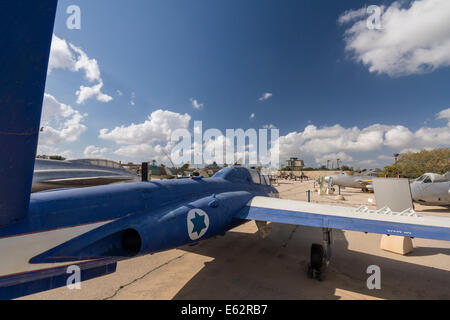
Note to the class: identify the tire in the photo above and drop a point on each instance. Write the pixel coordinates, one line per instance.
(310, 272)
(317, 256)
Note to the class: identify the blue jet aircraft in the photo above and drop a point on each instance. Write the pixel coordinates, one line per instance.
(43, 234)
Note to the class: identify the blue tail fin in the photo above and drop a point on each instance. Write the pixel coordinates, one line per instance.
(25, 39)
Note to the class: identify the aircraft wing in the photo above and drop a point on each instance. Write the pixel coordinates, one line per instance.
(382, 221)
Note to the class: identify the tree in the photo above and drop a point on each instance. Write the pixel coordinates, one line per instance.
(57, 158)
(413, 165)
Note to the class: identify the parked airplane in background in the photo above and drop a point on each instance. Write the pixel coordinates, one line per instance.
(360, 181)
(45, 235)
(431, 189)
(54, 174)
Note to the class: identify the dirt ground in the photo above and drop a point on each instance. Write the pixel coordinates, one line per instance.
(241, 265)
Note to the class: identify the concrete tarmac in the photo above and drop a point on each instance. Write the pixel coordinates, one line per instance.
(241, 265)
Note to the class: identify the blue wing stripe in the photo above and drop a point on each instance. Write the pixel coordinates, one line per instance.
(344, 223)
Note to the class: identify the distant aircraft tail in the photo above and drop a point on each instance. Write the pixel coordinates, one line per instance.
(25, 40)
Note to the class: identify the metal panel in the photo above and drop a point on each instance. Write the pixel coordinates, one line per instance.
(392, 193)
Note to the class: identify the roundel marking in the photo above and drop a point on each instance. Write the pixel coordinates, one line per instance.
(197, 223)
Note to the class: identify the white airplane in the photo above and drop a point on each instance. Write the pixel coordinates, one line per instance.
(363, 182)
(431, 189)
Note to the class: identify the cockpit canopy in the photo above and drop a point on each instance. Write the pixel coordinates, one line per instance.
(431, 178)
(242, 175)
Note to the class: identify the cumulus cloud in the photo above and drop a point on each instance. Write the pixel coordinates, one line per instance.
(151, 140)
(352, 15)
(144, 151)
(94, 152)
(158, 127)
(342, 156)
(64, 55)
(86, 93)
(414, 39)
(320, 143)
(52, 150)
(60, 122)
(61, 57)
(89, 66)
(444, 114)
(333, 139)
(265, 96)
(196, 104)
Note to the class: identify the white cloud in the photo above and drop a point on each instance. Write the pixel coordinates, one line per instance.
(332, 139)
(413, 39)
(143, 151)
(352, 15)
(398, 137)
(252, 116)
(319, 143)
(369, 162)
(119, 93)
(269, 126)
(89, 66)
(265, 96)
(86, 93)
(61, 57)
(133, 98)
(444, 114)
(342, 156)
(196, 104)
(60, 122)
(147, 140)
(95, 152)
(52, 150)
(64, 55)
(158, 127)
(385, 157)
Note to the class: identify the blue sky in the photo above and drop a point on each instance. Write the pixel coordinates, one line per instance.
(163, 55)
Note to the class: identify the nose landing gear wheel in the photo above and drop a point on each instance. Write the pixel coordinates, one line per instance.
(320, 256)
(317, 262)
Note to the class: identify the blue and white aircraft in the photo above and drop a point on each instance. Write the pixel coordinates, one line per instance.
(43, 234)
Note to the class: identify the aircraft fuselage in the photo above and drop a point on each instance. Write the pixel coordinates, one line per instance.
(109, 223)
(431, 194)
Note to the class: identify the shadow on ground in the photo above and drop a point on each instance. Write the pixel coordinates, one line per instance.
(248, 267)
